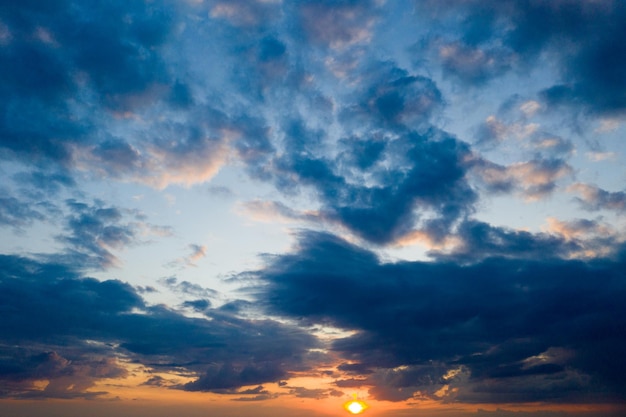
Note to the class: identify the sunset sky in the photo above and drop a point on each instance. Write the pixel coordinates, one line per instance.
(269, 207)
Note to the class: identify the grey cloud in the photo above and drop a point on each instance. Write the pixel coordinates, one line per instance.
(16, 213)
(337, 23)
(40, 184)
(68, 378)
(228, 376)
(188, 288)
(245, 14)
(93, 232)
(473, 65)
(197, 305)
(595, 198)
(316, 393)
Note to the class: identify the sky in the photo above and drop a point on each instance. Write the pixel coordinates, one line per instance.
(269, 207)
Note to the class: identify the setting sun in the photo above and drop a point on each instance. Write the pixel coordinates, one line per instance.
(355, 406)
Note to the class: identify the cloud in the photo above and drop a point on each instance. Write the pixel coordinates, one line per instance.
(574, 239)
(228, 376)
(493, 317)
(581, 37)
(260, 394)
(49, 375)
(595, 198)
(275, 211)
(66, 73)
(40, 184)
(472, 65)
(315, 393)
(16, 213)
(391, 97)
(494, 131)
(534, 179)
(67, 332)
(198, 252)
(93, 232)
(475, 240)
(415, 173)
(188, 288)
(104, 97)
(246, 14)
(337, 24)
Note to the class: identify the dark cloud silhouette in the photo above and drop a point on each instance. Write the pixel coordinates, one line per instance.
(551, 326)
(67, 378)
(228, 376)
(479, 240)
(68, 329)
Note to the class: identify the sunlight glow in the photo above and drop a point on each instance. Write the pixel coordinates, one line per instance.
(355, 406)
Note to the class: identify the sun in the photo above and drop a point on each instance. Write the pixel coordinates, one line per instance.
(355, 406)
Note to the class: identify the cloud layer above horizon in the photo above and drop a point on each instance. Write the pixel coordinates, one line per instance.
(446, 176)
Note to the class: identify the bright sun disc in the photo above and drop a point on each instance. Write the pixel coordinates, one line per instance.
(355, 406)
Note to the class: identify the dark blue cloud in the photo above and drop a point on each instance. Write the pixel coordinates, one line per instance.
(59, 56)
(59, 326)
(479, 240)
(392, 168)
(81, 77)
(429, 174)
(390, 97)
(552, 326)
(583, 37)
